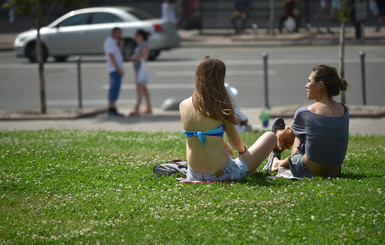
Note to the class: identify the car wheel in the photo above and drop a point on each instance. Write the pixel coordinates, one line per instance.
(61, 58)
(153, 54)
(129, 47)
(32, 54)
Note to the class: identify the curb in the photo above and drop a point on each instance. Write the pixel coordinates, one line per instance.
(355, 111)
(50, 115)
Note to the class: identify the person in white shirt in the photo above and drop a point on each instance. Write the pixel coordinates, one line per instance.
(168, 11)
(113, 52)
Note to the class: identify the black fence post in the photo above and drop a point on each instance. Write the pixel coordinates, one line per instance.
(363, 76)
(265, 57)
(79, 73)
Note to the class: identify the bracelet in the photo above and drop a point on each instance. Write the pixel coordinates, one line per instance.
(240, 153)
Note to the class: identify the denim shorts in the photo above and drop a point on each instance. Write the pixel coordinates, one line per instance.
(298, 166)
(235, 168)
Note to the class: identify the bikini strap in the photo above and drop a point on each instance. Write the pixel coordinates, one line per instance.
(218, 131)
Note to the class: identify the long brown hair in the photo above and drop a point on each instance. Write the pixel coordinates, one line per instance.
(210, 97)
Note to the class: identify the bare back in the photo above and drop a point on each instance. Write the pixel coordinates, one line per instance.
(212, 156)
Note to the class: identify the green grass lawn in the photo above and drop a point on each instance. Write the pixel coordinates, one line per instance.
(89, 187)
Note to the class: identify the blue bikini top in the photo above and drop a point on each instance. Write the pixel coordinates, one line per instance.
(201, 135)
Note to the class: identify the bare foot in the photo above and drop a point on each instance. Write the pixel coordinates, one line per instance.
(134, 113)
(147, 111)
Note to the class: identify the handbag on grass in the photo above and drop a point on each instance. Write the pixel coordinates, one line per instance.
(143, 75)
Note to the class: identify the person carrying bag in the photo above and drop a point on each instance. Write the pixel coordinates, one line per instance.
(139, 59)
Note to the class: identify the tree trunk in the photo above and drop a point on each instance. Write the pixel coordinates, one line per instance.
(39, 51)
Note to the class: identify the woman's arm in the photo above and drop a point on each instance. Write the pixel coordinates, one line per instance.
(228, 149)
(285, 138)
(145, 53)
(234, 138)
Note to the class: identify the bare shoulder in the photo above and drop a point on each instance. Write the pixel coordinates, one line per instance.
(336, 110)
(313, 107)
(340, 109)
(185, 103)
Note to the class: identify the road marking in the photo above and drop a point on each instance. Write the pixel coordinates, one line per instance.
(155, 86)
(86, 102)
(229, 73)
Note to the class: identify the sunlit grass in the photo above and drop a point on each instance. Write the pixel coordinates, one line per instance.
(97, 187)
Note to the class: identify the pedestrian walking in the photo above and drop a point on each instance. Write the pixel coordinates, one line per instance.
(11, 14)
(335, 9)
(240, 13)
(139, 59)
(113, 47)
(168, 12)
(323, 16)
(289, 18)
(381, 14)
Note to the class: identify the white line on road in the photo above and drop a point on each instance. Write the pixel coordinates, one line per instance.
(86, 102)
(155, 86)
(230, 73)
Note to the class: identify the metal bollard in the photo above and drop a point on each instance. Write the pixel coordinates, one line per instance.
(265, 56)
(79, 72)
(362, 57)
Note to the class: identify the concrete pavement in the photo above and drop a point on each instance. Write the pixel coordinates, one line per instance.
(169, 121)
(260, 38)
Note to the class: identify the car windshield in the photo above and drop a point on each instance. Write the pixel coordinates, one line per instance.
(140, 14)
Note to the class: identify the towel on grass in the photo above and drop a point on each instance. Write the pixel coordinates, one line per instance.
(284, 173)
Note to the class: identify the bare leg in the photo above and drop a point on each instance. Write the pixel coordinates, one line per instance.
(111, 105)
(146, 94)
(285, 162)
(139, 96)
(259, 151)
(280, 163)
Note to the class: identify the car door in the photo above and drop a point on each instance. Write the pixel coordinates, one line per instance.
(100, 27)
(68, 37)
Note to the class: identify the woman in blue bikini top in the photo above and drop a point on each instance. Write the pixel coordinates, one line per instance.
(207, 115)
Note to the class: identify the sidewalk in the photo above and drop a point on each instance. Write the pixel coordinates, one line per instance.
(259, 37)
(364, 120)
(252, 38)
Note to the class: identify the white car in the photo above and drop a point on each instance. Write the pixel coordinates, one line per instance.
(83, 31)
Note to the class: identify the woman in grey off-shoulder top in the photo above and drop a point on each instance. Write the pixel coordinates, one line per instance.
(319, 134)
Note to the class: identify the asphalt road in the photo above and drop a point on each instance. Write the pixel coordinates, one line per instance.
(172, 76)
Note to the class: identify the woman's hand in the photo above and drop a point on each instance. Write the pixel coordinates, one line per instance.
(134, 58)
(233, 137)
(285, 138)
(228, 149)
